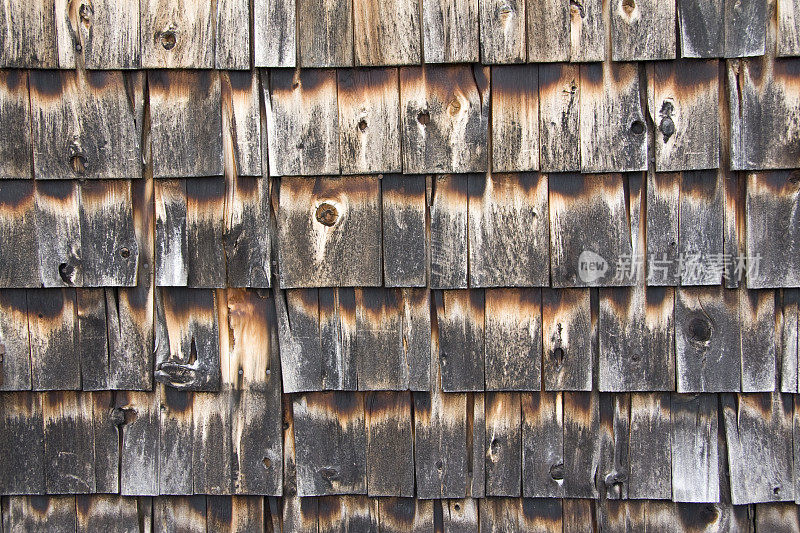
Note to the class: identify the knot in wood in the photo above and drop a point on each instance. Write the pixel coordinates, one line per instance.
(327, 214)
(169, 39)
(628, 6)
(557, 471)
(424, 118)
(637, 127)
(576, 8)
(700, 330)
(125, 252)
(455, 106)
(362, 124)
(85, 12)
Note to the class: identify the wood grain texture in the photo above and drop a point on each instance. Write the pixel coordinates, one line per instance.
(338, 338)
(559, 118)
(302, 122)
(390, 444)
(106, 34)
(22, 443)
(788, 38)
(663, 216)
(566, 339)
(745, 28)
(450, 31)
(642, 30)
(212, 444)
(241, 123)
(700, 243)
(205, 229)
(587, 31)
(28, 39)
(502, 31)
(445, 118)
(175, 440)
(448, 198)
(513, 339)
(274, 33)
(234, 514)
(19, 262)
(185, 123)
(701, 28)
(15, 372)
(786, 324)
(231, 43)
(55, 361)
(68, 442)
(139, 442)
(369, 121)
(560, 32)
(177, 34)
(387, 33)
(581, 444)
(103, 511)
(58, 232)
(404, 235)
(686, 95)
(460, 317)
(329, 232)
(757, 316)
(503, 444)
(105, 441)
(515, 118)
(649, 453)
(695, 462)
(42, 513)
(15, 138)
(172, 246)
(247, 238)
(325, 33)
(300, 345)
(397, 515)
(92, 339)
(180, 513)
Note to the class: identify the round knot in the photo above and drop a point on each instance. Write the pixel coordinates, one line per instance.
(327, 214)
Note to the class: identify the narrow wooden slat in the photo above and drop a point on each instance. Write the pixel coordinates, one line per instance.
(663, 215)
(513, 339)
(108, 34)
(329, 232)
(15, 351)
(325, 33)
(502, 31)
(614, 435)
(745, 28)
(235, 513)
(559, 112)
(212, 446)
(695, 462)
(55, 360)
(180, 513)
(185, 123)
(650, 453)
(300, 514)
(68, 442)
(796, 446)
(247, 240)
(476, 418)
(642, 30)
(404, 242)
(15, 112)
(700, 242)
(138, 421)
(788, 35)
(172, 247)
(302, 122)
(515, 118)
(621, 515)
(460, 317)
(205, 205)
(390, 444)
(701, 28)
(39, 513)
(759, 340)
(500, 514)
(92, 339)
(403, 515)
(612, 116)
(106, 422)
(777, 517)
(542, 445)
(19, 262)
(241, 123)
(177, 34)
(686, 95)
(58, 233)
(448, 198)
(788, 352)
(22, 444)
(387, 33)
(28, 39)
(231, 43)
(369, 121)
(548, 29)
(274, 33)
(300, 344)
(581, 444)
(175, 441)
(566, 341)
(450, 31)
(445, 117)
(503, 444)
(104, 511)
(338, 338)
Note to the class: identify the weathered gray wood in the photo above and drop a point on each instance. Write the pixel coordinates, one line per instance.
(387, 33)
(39, 513)
(576, 513)
(302, 122)
(581, 444)
(786, 325)
(503, 444)
(300, 344)
(241, 123)
(403, 515)
(19, 262)
(500, 514)
(338, 337)
(274, 33)
(759, 340)
(22, 444)
(172, 247)
(460, 317)
(621, 515)
(650, 453)
(137, 417)
(614, 435)
(777, 517)
(97, 512)
(450, 31)
(325, 32)
(55, 361)
(613, 132)
(180, 513)
(788, 32)
(583, 253)
(764, 117)
(795, 445)
(108, 34)
(300, 514)
(92, 339)
(745, 27)
(58, 233)
(212, 446)
(502, 31)
(177, 34)
(508, 230)
(404, 236)
(231, 42)
(700, 243)
(513, 339)
(663, 215)
(476, 417)
(701, 28)
(369, 121)
(347, 513)
(390, 444)
(448, 197)
(235, 513)
(205, 228)
(758, 431)
(515, 118)
(636, 339)
(695, 463)
(15, 351)
(460, 515)
(336, 464)
(15, 113)
(566, 339)
(686, 98)
(559, 112)
(68, 442)
(558, 31)
(642, 30)
(185, 123)
(247, 239)
(329, 232)
(445, 117)
(105, 437)
(771, 221)
(28, 39)
(176, 441)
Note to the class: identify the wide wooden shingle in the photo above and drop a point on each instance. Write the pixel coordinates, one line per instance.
(642, 30)
(177, 34)
(387, 32)
(515, 118)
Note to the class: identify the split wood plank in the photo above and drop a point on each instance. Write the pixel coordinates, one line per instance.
(15, 351)
(92, 339)
(58, 232)
(788, 33)
(108, 34)
(299, 339)
(581, 444)
(515, 118)
(561, 32)
(172, 242)
(686, 95)
(105, 441)
(335, 464)
(746, 27)
(559, 118)
(302, 122)
(542, 445)
(663, 216)
(235, 513)
(611, 115)
(15, 113)
(175, 440)
(19, 262)
(180, 513)
(584, 254)
(448, 198)
(642, 30)
(83, 126)
(503, 445)
(329, 232)
(450, 31)
(104, 512)
(231, 41)
(28, 39)
(387, 33)
(403, 515)
(701, 27)
(185, 123)
(177, 34)
(404, 235)
(694, 440)
(248, 238)
(274, 33)
(369, 120)
(241, 123)
(786, 322)
(476, 476)
(650, 452)
(205, 228)
(460, 318)
(68, 442)
(39, 513)
(445, 117)
(325, 33)
(758, 432)
(22, 444)
(614, 435)
(502, 31)
(757, 316)
(772, 229)
(636, 339)
(137, 417)
(338, 337)
(508, 230)
(566, 339)
(300, 514)
(700, 243)
(55, 360)
(390, 444)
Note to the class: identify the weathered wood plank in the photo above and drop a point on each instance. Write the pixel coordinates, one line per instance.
(68, 442)
(611, 115)
(274, 33)
(460, 318)
(404, 235)
(338, 337)
(786, 325)
(58, 233)
(515, 118)
(325, 33)
(205, 228)
(663, 216)
(577, 513)
(642, 30)
(460, 515)
(15, 113)
(777, 517)
(172, 247)
(39, 513)
(15, 351)
(212, 446)
(788, 33)
(404, 515)
(390, 444)
(22, 444)
(701, 28)
(231, 43)
(387, 33)
(98, 512)
(177, 34)
(759, 340)
(548, 27)
(247, 240)
(445, 117)
(347, 513)
(369, 120)
(336, 464)
(614, 435)
(649, 452)
(180, 513)
(137, 417)
(300, 514)
(503, 446)
(300, 343)
(508, 230)
(542, 445)
(302, 122)
(55, 360)
(502, 31)
(108, 35)
(695, 462)
(559, 112)
(175, 440)
(105, 441)
(235, 514)
(513, 339)
(581, 444)
(686, 95)
(700, 243)
(28, 39)
(476, 447)
(329, 232)
(448, 198)
(92, 338)
(19, 262)
(450, 31)
(185, 123)
(566, 339)
(745, 28)
(241, 123)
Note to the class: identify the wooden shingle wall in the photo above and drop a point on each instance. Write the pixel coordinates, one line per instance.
(392, 265)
